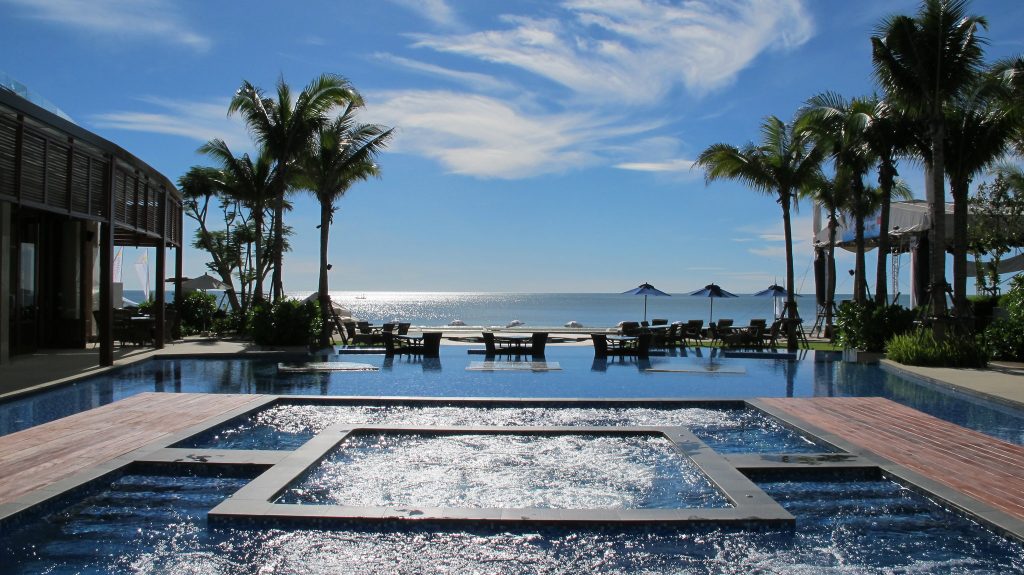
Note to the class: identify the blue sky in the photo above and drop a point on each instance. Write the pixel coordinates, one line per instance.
(542, 145)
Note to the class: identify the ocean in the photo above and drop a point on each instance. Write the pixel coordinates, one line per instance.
(597, 310)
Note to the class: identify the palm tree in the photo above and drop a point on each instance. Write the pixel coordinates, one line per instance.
(1009, 73)
(831, 195)
(783, 165)
(923, 62)
(284, 127)
(839, 127)
(890, 136)
(342, 153)
(980, 131)
(250, 183)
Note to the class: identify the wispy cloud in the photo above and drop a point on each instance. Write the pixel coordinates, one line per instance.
(485, 137)
(636, 51)
(199, 121)
(137, 19)
(672, 165)
(472, 80)
(437, 11)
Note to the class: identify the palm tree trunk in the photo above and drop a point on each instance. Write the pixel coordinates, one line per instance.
(324, 297)
(860, 266)
(830, 281)
(959, 188)
(886, 177)
(937, 237)
(258, 262)
(791, 311)
(276, 282)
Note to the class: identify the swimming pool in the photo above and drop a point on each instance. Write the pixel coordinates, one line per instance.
(692, 375)
(154, 519)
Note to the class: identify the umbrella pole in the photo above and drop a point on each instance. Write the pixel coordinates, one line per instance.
(645, 307)
(711, 314)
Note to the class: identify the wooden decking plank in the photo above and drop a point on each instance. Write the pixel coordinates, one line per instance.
(982, 467)
(42, 455)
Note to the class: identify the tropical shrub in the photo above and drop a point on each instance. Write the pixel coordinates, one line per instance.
(868, 326)
(197, 309)
(290, 322)
(1004, 338)
(919, 347)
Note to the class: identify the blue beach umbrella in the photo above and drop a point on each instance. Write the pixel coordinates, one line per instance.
(645, 290)
(774, 291)
(712, 291)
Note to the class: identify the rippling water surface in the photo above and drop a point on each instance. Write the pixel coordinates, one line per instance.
(151, 524)
(506, 472)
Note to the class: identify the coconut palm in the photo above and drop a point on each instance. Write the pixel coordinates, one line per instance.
(979, 132)
(250, 182)
(830, 196)
(923, 62)
(890, 136)
(341, 154)
(1009, 73)
(284, 127)
(839, 127)
(784, 164)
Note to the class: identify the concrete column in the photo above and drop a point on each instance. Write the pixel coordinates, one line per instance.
(6, 288)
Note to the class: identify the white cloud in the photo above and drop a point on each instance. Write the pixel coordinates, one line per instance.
(672, 165)
(636, 51)
(437, 11)
(199, 121)
(489, 138)
(473, 80)
(138, 19)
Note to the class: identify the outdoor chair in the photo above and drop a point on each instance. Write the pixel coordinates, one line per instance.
(717, 330)
(403, 328)
(693, 330)
(630, 328)
(638, 346)
(427, 345)
(659, 322)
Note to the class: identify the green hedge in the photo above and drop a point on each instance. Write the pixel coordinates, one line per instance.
(290, 322)
(920, 348)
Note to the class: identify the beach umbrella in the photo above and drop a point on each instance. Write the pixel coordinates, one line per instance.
(774, 291)
(712, 291)
(203, 283)
(338, 310)
(645, 290)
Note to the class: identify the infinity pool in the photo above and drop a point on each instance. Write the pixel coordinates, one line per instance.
(703, 375)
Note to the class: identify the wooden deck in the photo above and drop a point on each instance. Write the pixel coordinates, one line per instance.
(42, 455)
(984, 468)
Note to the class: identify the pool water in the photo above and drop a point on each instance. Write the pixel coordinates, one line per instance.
(505, 471)
(145, 523)
(581, 376)
(287, 426)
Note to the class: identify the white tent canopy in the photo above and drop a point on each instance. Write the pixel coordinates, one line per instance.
(906, 220)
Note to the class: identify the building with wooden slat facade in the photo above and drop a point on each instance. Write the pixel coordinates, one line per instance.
(67, 198)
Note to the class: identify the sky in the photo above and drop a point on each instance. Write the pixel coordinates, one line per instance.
(541, 146)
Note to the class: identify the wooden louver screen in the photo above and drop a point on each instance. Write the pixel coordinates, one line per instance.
(8, 143)
(33, 167)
